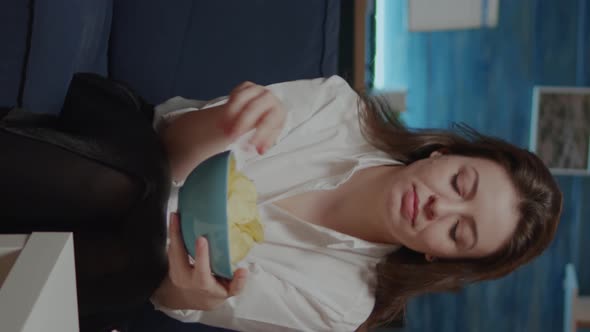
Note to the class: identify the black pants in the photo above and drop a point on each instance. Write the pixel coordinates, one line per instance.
(97, 170)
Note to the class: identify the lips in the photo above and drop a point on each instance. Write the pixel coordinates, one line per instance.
(409, 206)
(416, 205)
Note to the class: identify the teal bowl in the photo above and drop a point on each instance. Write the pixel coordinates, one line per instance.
(202, 204)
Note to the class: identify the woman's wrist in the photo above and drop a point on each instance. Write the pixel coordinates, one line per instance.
(169, 296)
(193, 137)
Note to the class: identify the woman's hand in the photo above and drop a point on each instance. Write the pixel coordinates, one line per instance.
(190, 286)
(253, 106)
(193, 137)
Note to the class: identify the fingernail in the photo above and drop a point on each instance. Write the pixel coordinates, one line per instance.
(201, 242)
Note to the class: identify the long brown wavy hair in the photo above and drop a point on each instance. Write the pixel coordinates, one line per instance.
(404, 274)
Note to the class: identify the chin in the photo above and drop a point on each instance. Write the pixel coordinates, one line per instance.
(416, 250)
(393, 207)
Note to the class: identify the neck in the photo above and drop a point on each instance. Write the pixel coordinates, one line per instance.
(358, 206)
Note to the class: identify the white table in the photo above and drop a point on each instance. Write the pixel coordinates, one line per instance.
(38, 283)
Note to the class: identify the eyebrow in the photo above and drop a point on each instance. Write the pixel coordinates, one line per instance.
(472, 194)
(473, 190)
(474, 231)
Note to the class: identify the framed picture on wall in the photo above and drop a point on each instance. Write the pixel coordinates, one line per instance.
(560, 128)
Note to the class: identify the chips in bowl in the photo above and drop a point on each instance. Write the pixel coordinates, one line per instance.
(219, 202)
(242, 214)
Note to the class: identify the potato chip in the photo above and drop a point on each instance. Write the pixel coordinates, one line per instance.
(240, 243)
(253, 228)
(243, 218)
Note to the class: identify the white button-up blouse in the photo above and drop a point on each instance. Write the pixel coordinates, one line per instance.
(303, 277)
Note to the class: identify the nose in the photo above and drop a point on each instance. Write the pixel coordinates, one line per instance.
(437, 207)
(429, 208)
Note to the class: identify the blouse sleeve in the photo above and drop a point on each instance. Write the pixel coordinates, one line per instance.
(270, 304)
(302, 99)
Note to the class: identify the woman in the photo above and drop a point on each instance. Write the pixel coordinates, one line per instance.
(360, 214)
(460, 207)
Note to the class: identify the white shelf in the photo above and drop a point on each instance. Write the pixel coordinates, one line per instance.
(38, 283)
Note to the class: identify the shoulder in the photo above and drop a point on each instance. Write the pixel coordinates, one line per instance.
(322, 87)
(333, 80)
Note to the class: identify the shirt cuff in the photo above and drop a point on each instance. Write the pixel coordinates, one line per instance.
(183, 315)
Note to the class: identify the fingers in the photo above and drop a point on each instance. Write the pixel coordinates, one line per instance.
(238, 98)
(267, 130)
(238, 282)
(252, 112)
(177, 255)
(202, 269)
(242, 86)
(202, 276)
(249, 111)
(197, 282)
(251, 106)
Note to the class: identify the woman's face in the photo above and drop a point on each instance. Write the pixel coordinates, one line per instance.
(451, 206)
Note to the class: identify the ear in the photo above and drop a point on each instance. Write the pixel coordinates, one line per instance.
(439, 152)
(436, 153)
(429, 258)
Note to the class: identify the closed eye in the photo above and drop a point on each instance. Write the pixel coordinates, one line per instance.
(454, 183)
(453, 232)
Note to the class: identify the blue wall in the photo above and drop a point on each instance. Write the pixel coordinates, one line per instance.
(484, 77)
